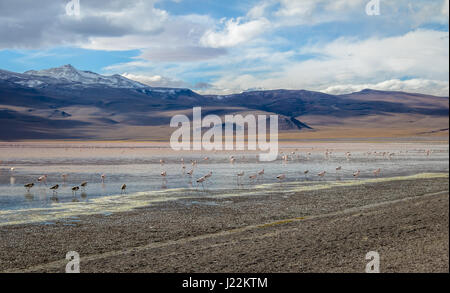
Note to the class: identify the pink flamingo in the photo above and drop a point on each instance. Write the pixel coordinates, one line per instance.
(377, 172)
(201, 180)
(43, 178)
(281, 177)
(208, 175)
(322, 174)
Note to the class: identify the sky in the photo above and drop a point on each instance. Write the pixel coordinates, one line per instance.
(223, 47)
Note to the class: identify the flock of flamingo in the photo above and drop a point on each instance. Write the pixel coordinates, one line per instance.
(233, 160)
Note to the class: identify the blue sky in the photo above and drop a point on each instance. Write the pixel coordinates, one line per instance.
(222, 47)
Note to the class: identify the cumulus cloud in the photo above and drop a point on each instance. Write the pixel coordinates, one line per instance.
(37, 24)
(156, 80)
(236, 31)
(420, 52)
(105, 25)
(420, 55)
(163, 81)
(424, 86)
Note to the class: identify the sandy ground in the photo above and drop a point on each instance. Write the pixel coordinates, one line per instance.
(331, 230)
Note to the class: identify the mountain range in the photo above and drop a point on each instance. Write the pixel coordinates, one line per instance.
(67, 103)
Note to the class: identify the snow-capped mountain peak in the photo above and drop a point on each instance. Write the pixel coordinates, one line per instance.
(68, 73)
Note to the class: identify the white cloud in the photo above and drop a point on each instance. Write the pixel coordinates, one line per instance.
(417, 53)
(235, 32)
(300, 8)
(141, 17)
(312, 12)
(420, 56)
(405, 12)
(424, 86)
(155, 80)
(43, 24)
(259, 10)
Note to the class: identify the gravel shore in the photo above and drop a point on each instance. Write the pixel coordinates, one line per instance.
(328, 230)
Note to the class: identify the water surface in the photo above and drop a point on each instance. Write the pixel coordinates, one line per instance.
(138, 166)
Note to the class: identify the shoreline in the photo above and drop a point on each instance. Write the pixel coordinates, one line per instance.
(119, 203)
(304, 228)
(407, 139)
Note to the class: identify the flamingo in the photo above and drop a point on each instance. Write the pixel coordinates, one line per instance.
(28, 186)
(201, 180)
(163, 173)
(322, 174)
(190, 172)
(161, 162)
(54, 188)
(42, 178)
(253, 176)
(240, 175)
(261, 173)
(208, 175)
(281, 177)
(103, 176)
(338, 168)
(75, 189)
(356, 174)
(377, 172)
